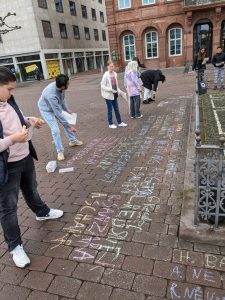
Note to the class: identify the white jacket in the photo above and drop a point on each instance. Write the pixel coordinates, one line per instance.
(106, 86)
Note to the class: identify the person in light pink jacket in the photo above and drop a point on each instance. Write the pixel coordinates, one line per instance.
(133, 88)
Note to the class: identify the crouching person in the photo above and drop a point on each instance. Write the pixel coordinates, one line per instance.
(17, 170)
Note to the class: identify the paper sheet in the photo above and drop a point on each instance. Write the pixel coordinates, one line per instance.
(70, 118)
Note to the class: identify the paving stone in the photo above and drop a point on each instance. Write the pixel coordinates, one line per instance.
(206, 248)
(39, 263)
(9, 292)
(65, 286)
(213, 261)
(169, 270)
(155, 298)
(109, 260)
(188, 258)
(35, 295)
(88, 272)
(210, 293)
(35, 234)
(146, 238)
(138, 265)
(168, 240)
(37, 280)
(118, 278)
(83, 254)
(119, 294)
(61, 267)
(202, 276)
(130, 248)
(59, 251)
(173, 230)
(35, 247)
(157, 252)
(184, 291)
(12, 275)
(185, 245)
(53, 225)
(150, 285)
(94, 291)
(158, 228)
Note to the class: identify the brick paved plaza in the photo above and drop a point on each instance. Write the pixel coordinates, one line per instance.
(118, 238)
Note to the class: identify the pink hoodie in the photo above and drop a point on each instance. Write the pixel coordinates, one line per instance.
(11, 124)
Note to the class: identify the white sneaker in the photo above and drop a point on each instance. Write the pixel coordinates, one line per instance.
(139, 117)
(112, 126)
(19, 257)
(53, 214)
(122, 124)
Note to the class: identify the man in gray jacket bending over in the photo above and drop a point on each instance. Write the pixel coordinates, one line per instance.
(51, 104)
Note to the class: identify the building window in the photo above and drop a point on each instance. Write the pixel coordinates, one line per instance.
(175, 41)
(147, 2)
(103, 35)
(72, 8)
(100, 1)
(87, 33)
(47, 29)
(84, 11)
(93, 13)
(63, 31)
(124, 4)
(42, 3)
(1, 41)
(96, 35)
(222, 37)
(151, 39)
(129, 47)
(102, 17)
(76, 32)
(59, 6)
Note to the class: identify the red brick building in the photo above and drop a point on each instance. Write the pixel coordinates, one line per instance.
(164, 33)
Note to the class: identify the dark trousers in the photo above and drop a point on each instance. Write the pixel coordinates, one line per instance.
(113, 104)
(22, 176)
(135, 102)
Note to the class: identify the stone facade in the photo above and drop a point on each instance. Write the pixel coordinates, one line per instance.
(160, 17)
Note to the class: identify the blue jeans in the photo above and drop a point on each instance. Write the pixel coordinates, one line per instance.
(135, 102)
(113, 104)
(219, 76)
(50, 119)
(22, 176)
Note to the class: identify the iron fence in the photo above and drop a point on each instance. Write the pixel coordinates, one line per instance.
(209, 172)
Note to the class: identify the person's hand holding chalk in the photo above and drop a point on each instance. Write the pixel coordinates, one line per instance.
(20, 136)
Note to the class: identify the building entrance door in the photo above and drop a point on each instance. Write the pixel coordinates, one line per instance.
(202, 37)
(222, 38)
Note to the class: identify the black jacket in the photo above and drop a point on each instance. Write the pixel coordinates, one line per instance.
(151, 77)
(4, 154)
(197, 65)
(218, 58)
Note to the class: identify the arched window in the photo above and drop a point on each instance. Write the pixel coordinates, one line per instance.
(129, 47)
(151, 40)
(175, 41)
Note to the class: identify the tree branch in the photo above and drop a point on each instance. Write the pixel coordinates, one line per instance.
(7, 28)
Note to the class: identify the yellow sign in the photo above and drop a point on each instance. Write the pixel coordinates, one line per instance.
(53, 68)
(30, 68)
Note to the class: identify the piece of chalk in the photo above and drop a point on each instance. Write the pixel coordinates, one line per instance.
(66, 170)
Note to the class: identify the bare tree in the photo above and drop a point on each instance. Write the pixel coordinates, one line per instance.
(4, 27)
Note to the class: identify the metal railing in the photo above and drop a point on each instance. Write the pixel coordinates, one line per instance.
(188, 3)
(209, 175)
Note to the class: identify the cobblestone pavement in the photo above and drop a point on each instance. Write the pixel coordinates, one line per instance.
(121, 242)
